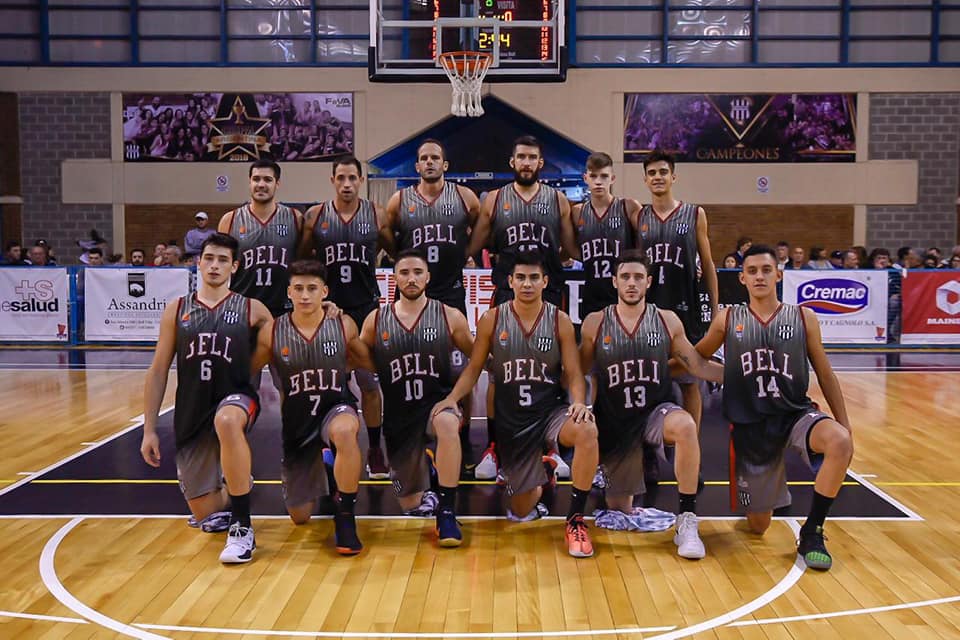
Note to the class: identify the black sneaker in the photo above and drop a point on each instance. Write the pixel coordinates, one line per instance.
(812, 549)
(448, 529)
(345, 534)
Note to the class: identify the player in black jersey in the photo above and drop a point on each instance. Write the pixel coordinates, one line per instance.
(309, 349)
(410, 343)
(627, 346)
(767, 348)
(345, 233)
(533, 352)
(606, 227)
(211, 333)
(525, 215)
(435, 217)
(268, 233)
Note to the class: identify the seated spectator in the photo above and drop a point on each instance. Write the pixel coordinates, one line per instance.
(783, 254)
(136, 258)
(798, 259)
(930, 261)
(13, 255)
(158, 254)
(818, 259)
(194, 239)
(730, 261)
(836, 259)
(901, 256)
(743, 243)
(37, 256)
(938, 255)
(851, 259)
(171, 256)
(954, 261)
(95, 257)
(913, 259)
(879, 259)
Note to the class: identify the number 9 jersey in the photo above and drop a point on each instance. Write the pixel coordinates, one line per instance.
(348, 248)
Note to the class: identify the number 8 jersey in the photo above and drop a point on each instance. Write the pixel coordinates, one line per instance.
(348, 248)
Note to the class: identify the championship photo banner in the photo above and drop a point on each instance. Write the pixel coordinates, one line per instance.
(125, 305)
(741, 127)
(236, 127)
(34, 304)
(851, 305)
(931, 307)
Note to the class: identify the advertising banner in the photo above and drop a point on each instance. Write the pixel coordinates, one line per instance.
(34, 304)
(850, 304)
(125, 305)
(931, 307)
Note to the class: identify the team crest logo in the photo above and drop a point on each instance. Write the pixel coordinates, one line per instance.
(330, 348)
(385, 338)
(231, 317)
(447, 209)
(285, 354)
(607, 342)
(542, 208)
(616, 222)
(136, 284)
(785, 331)
(738, 330)
(544, 343)
(429, 334)
(283, 230)
(504, 336)
(324, 227)
(364, 228)
(653, 339)
(682, 227)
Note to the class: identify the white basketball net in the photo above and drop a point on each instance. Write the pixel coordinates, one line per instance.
(466, 70)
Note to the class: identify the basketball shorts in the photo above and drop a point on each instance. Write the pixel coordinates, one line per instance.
(409, 465)
(302, 473)
(623, 469)
(527, 473)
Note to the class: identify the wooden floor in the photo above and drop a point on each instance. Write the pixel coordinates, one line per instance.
(107, 578)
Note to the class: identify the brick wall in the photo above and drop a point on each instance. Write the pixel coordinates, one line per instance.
(147, 224)
(924, 127)
(55, 127)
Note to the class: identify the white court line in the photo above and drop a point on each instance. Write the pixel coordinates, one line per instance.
(398, 634)
(25, 473)
(849, 612)
(912, 515)
(764, 599)
(35, 616)
(48, 573)
(60, 463)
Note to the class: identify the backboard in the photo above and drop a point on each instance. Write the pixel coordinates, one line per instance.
(525, 37)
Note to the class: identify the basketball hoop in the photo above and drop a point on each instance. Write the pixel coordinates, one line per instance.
(466, 70)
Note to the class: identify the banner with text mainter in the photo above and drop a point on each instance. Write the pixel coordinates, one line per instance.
(125, 305)
(33, 304)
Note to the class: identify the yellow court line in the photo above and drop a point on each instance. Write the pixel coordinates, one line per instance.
(710, 483)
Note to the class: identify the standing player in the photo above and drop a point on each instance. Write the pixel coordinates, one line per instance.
(628, 346)
(211, 333)
(533, 351)
(606, 226)
(767, 347)
(309, 350)
(523, 216)
(411, 341)
(268, 232)
(345, 233)
(434, 217)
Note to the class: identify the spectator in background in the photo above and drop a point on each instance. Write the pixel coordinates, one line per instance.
(798, 259)
(954, 261)
(851, 259)
(743, 243)
(836, 260)
(938, 254)
(931, 261)
(901, 257)
(861, 255)
(818, 259)
(193, 241)
(12, 255)
(730, 261)
(95, 257)
(879, 259)
(136, 258)
(171, 256)
(158, 254)
(913, 259)
(783, 254)
(38, 256)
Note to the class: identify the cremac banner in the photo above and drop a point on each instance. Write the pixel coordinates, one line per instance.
(741, 127)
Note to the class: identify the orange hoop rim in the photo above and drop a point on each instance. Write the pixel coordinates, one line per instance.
(465, 60)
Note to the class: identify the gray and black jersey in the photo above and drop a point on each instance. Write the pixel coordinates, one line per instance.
(528, 371)
(214, 346)
(524, 225)
(671, 247)
(439, 229)
(602, 237)
(266, 251)
(413, 364)
(632, 376)
(348, 248)
(313, 373)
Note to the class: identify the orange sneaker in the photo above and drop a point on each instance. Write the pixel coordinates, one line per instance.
(578, 538)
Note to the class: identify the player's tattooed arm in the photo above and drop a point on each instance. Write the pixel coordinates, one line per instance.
(359, 355)
(715, 335)
(821, 365)
(471, 373)
(155, 384)
(683, 351)
(706, 261)
(481, 230)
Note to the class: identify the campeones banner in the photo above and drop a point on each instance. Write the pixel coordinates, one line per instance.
(127, 304)
(34, 304)
(238, 127)
(752, 127)
(850, 305)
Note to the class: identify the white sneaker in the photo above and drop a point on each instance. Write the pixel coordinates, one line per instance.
(562, 470)
(240, 545)
(687, 537)
(487, 468)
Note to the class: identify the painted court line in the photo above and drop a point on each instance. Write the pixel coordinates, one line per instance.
(883, 495)
(400, 634)
(849, 612)
(34, 616)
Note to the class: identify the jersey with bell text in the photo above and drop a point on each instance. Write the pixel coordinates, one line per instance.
(602, 237)
(266, 251)
(413, 364)
(439, 229)
(313, 372)
(632, 376)
(528, 371)
(524, 225)
(348, 248)
(214, 346)
(671, 246)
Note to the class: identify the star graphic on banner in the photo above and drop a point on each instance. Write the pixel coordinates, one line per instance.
(238, 132)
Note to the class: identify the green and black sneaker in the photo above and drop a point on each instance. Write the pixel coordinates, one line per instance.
(813, 551)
